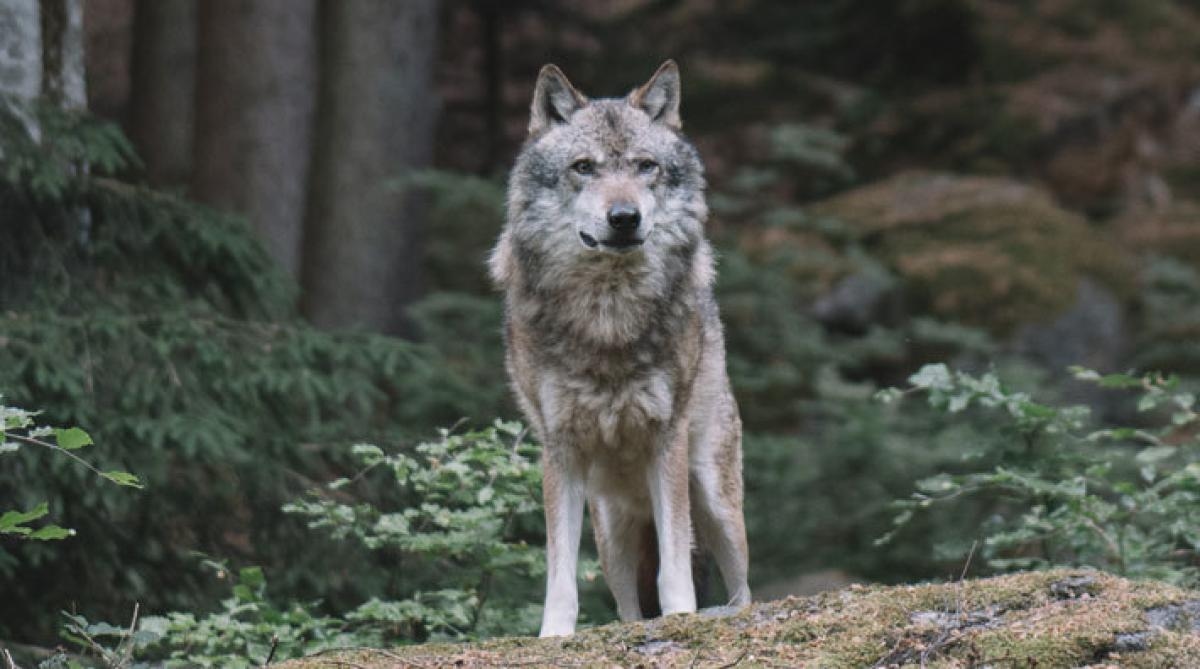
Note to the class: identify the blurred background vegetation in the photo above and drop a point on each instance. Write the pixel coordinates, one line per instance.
(238, 237)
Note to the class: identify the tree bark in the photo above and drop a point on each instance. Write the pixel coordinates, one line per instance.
(163, 87)
(62, 53)
(20, 49)
(256, 69)
(377, 109)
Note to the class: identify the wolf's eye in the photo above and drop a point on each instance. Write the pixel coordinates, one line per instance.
(646, 166)
(584, 166)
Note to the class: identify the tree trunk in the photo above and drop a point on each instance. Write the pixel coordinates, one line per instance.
(255, 75)
(377, 108)
(41, 51)
(62, 53)
(162, 96)
(20, 49)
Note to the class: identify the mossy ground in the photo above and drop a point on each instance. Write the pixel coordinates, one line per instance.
(1060, 618)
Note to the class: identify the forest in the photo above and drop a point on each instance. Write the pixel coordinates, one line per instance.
(253, 400)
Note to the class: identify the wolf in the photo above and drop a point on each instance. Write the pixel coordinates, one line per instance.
(615, 350)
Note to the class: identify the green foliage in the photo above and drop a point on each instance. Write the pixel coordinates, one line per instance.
(1120, 498)
(477, 499)
(1170, 316)
(47, 162)
(464, 566)
(248, 630)
(18, 430)
(465, 214)
(165, 328)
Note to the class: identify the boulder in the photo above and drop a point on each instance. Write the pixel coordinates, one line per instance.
(1059, 618)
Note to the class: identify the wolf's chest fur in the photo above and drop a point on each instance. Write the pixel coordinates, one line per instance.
(608, 366)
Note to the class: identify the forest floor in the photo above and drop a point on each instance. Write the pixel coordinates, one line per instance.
(1059, 618)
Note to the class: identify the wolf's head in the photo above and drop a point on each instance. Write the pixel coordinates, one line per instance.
(606, 177)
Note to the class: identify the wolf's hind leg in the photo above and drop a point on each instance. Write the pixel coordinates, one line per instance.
(721, 528)
(619, 536)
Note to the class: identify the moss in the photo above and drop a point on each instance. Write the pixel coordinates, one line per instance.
(1046, 619)
(1171, 231)
(984, 251)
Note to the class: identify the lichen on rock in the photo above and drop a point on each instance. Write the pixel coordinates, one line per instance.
(1057, 618)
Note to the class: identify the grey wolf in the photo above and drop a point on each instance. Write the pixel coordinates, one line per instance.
(615, 350)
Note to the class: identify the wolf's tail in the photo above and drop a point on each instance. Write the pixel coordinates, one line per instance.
(647, 574)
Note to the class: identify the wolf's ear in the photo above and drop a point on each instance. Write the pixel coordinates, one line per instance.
(659, 97)
(554, 100)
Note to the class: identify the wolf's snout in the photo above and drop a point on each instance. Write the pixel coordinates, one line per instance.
(624, 217)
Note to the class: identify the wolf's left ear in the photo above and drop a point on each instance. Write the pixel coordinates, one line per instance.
(554, 100)
(659, 97)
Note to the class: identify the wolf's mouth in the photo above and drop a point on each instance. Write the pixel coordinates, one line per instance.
(622, 243)
(619, 243)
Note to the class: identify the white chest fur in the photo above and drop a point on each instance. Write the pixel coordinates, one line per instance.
(588, 415)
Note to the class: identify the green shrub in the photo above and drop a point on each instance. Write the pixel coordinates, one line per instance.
(479, 504)
(461, 561)
(1124, 499)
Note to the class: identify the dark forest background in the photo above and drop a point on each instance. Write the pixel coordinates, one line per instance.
(238, 237)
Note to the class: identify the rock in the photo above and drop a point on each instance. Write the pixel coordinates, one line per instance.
(1073, 587)
(805, 585)
(1060, 618)
(855, 303)
(1091, 332)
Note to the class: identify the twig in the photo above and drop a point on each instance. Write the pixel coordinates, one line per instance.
(45, 444)
(967, 565)
(128, 642)
(1113, 547)
(274, 647)
(736, 661)
(963, 575)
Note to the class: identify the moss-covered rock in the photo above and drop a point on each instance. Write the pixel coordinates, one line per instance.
(985, 251)
(1060, 618)
(1169, 231)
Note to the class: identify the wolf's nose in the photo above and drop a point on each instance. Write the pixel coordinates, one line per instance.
(624, 217)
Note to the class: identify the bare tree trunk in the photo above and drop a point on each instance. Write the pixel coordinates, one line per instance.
(256, 69)
(362, 253)
(62, 53)
(162, 96)
(20, 49)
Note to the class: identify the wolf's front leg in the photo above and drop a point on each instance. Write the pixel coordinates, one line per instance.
(563, 492)
(672, 520)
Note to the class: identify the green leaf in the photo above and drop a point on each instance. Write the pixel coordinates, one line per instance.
(251, 576)
(243, 593)
(11, 522)
(122, 478)
(935, 376)
(1155, 453)
(486, 494)
(52, 533)
(72, 438)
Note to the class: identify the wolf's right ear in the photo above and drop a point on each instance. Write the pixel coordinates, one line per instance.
(554, 100)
